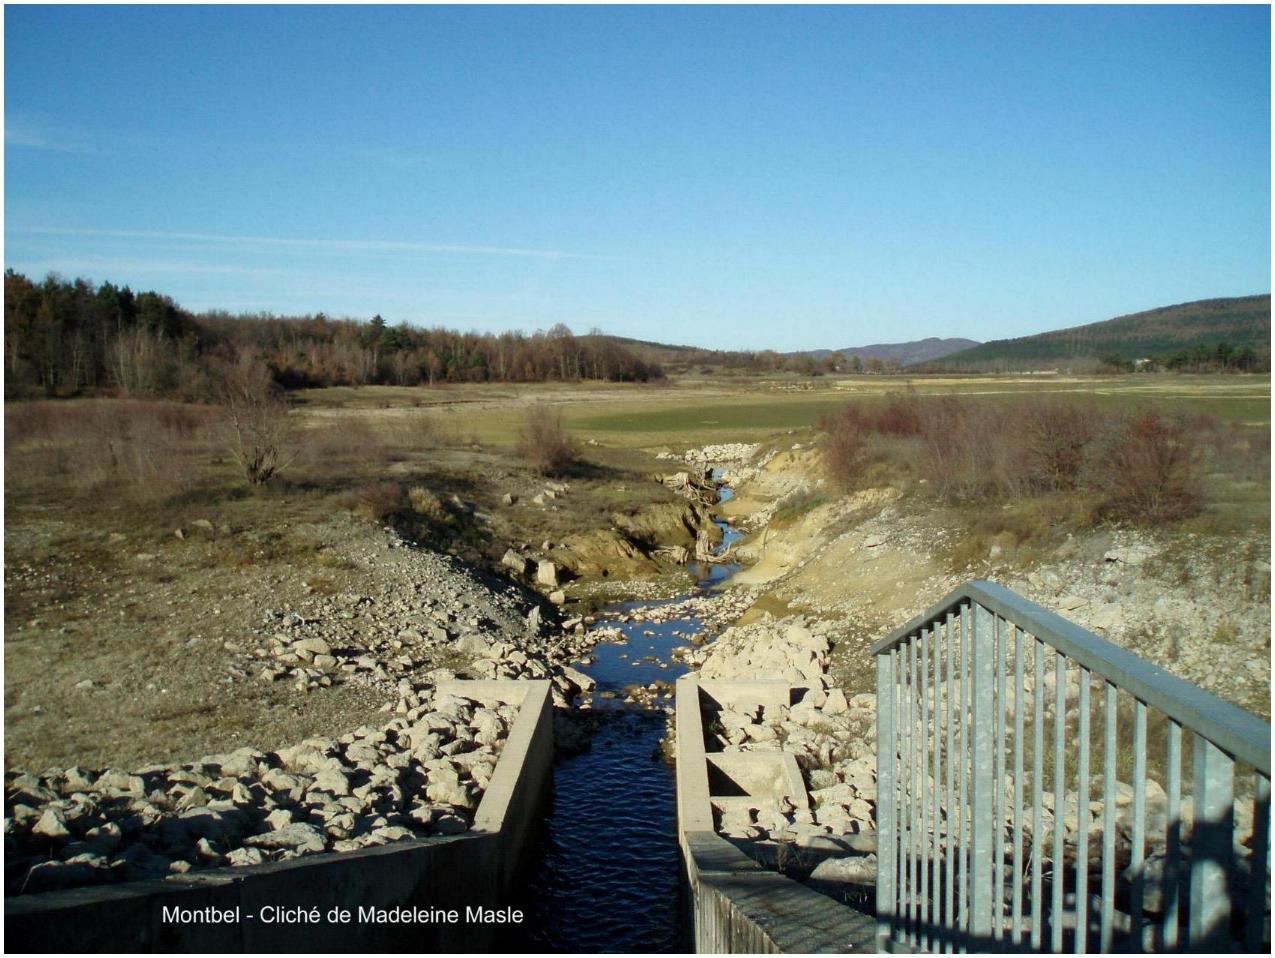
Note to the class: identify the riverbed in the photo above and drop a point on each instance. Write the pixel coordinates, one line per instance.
(607, 879)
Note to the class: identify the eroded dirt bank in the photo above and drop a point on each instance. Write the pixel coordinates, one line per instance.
(865, 563)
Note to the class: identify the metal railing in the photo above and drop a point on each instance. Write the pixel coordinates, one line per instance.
(988, 839)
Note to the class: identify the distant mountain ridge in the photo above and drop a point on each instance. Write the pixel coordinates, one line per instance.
(1239, 321)
(905, 354)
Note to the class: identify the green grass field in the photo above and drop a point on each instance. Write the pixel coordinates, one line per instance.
(726, 409)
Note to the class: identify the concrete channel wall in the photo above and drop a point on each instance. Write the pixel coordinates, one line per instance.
(733, 903)
(474, 869)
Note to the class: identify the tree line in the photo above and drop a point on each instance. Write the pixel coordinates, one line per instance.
(67, 337)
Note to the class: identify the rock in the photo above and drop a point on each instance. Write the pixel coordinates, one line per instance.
(117, 784)
(558, 597)
(1107, 616)
(332, 780)
(298, 836)
(577, 679)
(515, 561)
(240, 857)
(547, 573)
(850, 870)
(314, 646)
(280, 781)
(450, 825)
(836, 703)
(875, 540)
(1070, 602)
(509, 498)
(52, 824)
(474, 644)
(48, 876)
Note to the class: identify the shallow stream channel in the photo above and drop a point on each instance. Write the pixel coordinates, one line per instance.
(607, 874)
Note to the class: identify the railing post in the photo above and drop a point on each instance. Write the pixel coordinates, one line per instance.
(886, 809)
(983, 783)
(1212, 852)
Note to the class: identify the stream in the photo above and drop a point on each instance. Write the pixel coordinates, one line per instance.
(607, 878)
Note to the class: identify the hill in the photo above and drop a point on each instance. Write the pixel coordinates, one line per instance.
(905, 354)
(1162, 333)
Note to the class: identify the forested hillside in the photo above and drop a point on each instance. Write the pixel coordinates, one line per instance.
(1221, 333)
(64, 337)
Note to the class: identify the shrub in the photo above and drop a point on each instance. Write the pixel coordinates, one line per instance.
(1052, 435)
(1146, 468)
(966, 452)
(147, 449)
(901, 416)
(258, 429)
(544, 443)
(427, 505)
(845, 449)
(377, 501)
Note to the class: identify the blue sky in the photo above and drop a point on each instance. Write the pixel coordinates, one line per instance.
(738, 177)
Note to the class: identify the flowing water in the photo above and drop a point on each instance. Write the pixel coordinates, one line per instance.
(607, 877)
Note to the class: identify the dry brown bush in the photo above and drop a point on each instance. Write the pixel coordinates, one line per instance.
(544, 443)
(1051, 436)
(901, 416)
(378, 501)
(259, 432)
(427, 505)
(1146, 466)
(145, 449)
(845, 450)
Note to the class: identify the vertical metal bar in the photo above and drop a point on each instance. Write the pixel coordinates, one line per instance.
(1255, 928)
(1212, 852)
(905, 782)
(923, 887)
(962, 845)
(1038, 784)
(1082, 817)
(998, 793)
(981, 799)
(936, 856)
(1173, 837)
(1107, 930)
(949, 896)
(1137, 853)
(886, 799)
(1016, 930)
(1060, 769)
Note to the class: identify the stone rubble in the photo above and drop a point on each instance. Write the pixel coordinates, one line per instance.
(422, 773)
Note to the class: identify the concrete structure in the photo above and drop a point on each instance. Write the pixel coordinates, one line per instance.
(435, 875)
(734, 904)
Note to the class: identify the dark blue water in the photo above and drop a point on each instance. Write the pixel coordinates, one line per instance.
(608, 876)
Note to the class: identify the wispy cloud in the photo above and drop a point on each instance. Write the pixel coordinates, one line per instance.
(91, 265)
(23, 131)
(342, 245)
